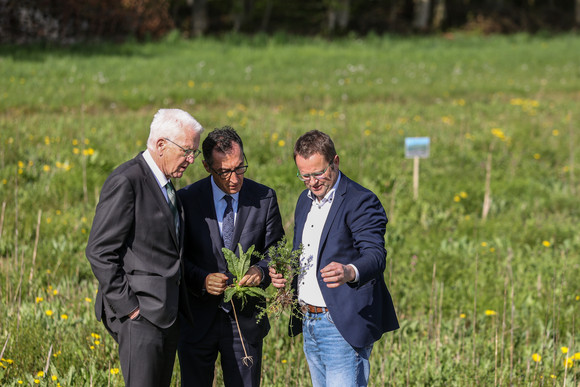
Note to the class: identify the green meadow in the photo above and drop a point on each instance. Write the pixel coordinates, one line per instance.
(483, 248)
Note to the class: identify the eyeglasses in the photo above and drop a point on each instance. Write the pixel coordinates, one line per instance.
(316, 175)
(186, 152)
(228, 172)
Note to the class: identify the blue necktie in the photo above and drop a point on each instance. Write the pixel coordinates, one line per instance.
(228, 223)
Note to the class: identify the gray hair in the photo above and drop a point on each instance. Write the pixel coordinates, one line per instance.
(170, 123)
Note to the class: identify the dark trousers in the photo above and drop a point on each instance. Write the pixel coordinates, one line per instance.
(198, 359)
(146, 352)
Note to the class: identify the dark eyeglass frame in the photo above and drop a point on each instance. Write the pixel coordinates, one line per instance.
(316, 175)
(228, 173)
(186, 152)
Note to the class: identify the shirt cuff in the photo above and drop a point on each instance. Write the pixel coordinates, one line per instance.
(356, 273)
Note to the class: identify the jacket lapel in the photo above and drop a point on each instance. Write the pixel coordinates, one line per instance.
(209, 215)
(153, 185)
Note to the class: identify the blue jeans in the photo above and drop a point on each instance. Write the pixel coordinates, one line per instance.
(332, 361)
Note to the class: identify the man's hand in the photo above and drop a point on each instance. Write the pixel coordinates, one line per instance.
(252, 278)
(278, 280)
(215, 283)
(134, 314)
(336, 274)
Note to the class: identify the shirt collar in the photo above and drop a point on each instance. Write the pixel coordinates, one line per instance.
(218, 194)
(329, 195)
(159, 176)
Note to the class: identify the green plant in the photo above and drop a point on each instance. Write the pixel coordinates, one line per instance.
(239, 266)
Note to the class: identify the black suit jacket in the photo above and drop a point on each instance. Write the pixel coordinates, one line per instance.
(258, 223)
(133, 248)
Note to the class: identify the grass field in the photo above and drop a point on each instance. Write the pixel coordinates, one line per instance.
(483, 265)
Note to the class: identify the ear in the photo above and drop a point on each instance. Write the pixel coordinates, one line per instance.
(160, 145)
(336, 161)
(206, 166)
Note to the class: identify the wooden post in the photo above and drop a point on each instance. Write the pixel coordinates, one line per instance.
(415, 178)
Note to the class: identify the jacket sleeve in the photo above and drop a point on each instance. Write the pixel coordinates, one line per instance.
(112, 228)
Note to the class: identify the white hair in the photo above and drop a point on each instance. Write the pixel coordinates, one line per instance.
(170, 123)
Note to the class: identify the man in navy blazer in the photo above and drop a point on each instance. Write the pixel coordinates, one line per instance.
(345, 303)
(134, 249)
(255, 220)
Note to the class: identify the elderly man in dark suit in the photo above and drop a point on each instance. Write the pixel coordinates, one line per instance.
(222, 210)
(134, 249)
(345, 303)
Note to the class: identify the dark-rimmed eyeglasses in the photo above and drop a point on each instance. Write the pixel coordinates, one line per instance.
(186, 152)
(228, 172)
(316, 175)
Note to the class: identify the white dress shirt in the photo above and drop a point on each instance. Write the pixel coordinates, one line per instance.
(159, 176)
(220, 204)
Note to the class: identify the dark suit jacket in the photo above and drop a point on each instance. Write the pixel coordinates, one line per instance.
(133, 248)
(353, 234)
(258, 223)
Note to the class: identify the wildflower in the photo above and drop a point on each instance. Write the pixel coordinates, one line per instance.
(555, 132)
(462, 315)
(40, 374)
(190, 83)
(564, 350)
(39, 300)
(483, 244)
(284, 361)
(498, 133)
(281, 143)
(36, 381)
(20, 382)
(490, 312)
(546, 243)
(46, 168)
(463, 194)
(367, 132)
(54, 377)
(576, 356)
(75, 142)
(87, 299)
(114, 371)
(536, 357)
(49, 312)
(456, 199)
(537, 156)
(64, 316)
(54, 292)
(76, 151)
(20, 164)
(492, 250)
(274, 136)
(553, 376)
(47, 140)
(95, 336)
(568, 362)
(86, 141)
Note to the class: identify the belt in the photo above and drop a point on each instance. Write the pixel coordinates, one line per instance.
(313, 309)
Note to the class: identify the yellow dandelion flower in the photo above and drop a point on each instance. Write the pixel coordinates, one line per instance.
(95, 336)
(46, 168)
(284, 361)
(462, 315)
(190, 83)
(4, 181)
(39, 300)
(114, 371)
(20, 164)
(97, 342)
(321, 113)
(87, 299)
(64, 316)
(281, 143)
(564, 349)
(498, 133)
(49, 313)
(75, 142)
(483, 244)
(367, 132)
(467, 217)
(553, 376)
(274, 136)
(577, 298)
(568, 363)
(20, 171)
(92, 347)
(537, 156)
(54, 377)
(555, 132)
(576, 356)
(36, 381)
(76, 151)
(536, 357)
(58, 212)
(463, 194)
(40, 374)
(490, 312)
(546, 243)
(47, 140)
(54, 292)
(20, 382)
(456, 199)
(492, 249)
(257, 88)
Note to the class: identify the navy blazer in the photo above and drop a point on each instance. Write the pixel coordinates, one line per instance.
(134, 250)
(353, 234)
(258, 223)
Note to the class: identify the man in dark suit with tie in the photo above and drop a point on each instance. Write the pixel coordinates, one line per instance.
(134, 249)
(222, 210)
(345, 303)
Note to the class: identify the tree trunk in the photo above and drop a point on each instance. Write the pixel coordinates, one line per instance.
(577, 18)
(439, 14)
(421, 11)
(338, 14)
(199, 17)
(266, 16)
